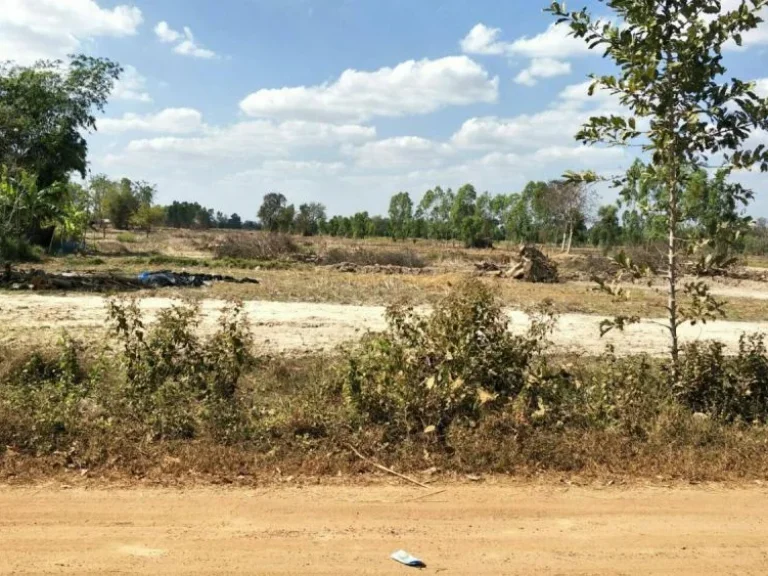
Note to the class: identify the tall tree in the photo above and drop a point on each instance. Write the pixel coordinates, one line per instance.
(271, 210)
(400, 215)
(310, 219)
(46, 110)
(680, 107)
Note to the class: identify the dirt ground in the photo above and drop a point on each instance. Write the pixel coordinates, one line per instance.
(309, 327)
(468, 529)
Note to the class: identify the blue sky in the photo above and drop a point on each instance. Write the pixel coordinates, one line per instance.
(344, 102)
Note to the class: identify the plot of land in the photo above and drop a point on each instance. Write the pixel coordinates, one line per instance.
(469, 529)
(306, 327)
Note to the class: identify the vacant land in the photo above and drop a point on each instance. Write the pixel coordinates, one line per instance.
(468, 529)
(306, 327)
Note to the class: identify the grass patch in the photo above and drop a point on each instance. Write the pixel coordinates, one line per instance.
(127, 238)
(256, 246)
(405, 258)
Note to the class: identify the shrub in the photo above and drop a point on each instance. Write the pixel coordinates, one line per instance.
(19, 250)
(424, 373)
(127, 238)
(173, 378)
(43, 398)
(256, 246)
(726, 387)
(404, 258)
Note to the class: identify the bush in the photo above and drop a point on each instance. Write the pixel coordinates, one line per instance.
(404, 258)
(19, 250)
(424, 373)
(172, 377)
(43, 398)
(726, 387)
(256, 246)
(127, 238)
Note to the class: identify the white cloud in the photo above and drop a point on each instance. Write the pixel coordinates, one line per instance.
(761, 87)
(254, 139)
(31, 30)
(483, 40)
(131, 86)
(165, 33)
(554, 42)
(187, 46)
(555, 126)
(412, 87)
(168, 121)
(400, 152)
(542, 68)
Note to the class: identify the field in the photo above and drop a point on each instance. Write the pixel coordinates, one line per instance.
(282, 402)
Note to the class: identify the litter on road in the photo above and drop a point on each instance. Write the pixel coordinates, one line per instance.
(404, 558)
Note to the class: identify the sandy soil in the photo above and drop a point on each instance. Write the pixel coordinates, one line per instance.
(469, 529)
(300, 327)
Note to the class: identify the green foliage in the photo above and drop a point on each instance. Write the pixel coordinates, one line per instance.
(726, 387)
(127, 238)
(400, 215)
(175, 380)
(425, 372)
(275, 215)
(310, 219)
(46, 109)
(682, 110)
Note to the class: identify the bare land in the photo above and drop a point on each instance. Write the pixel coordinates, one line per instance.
(336, 530)
(297, 327)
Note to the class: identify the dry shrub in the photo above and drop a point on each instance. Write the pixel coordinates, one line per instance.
(424, 373)
(256, 246)
(405, 258)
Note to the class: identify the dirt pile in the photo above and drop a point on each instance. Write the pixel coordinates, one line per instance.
(532, 266)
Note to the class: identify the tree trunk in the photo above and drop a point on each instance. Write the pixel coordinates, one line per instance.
(565, 237)
(570, 239)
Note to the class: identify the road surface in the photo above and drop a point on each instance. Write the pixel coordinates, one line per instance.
(351, 530)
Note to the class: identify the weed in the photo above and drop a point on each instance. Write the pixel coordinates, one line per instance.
(127, 238)
(404, 258)
(256, 246)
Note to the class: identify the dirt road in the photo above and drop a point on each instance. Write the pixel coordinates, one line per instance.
(477, 529)
(298, 327)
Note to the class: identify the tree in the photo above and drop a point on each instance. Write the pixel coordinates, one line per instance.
(400, 215)
(680, 108)
(148, 217)
(120, 203)
(606, 232)
(568, 203)
(46, 109)
(310, 219)
(360, 225)
(271, 211)
(234, 222)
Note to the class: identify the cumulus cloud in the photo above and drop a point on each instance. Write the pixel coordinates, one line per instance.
(168, 121)
(186, 46)
(483, 40)
(131, 86)
(254, 139)
(412, 87)
(542, 68)
(547, 51)
(165, 33)
(31, 30)
(400, 152)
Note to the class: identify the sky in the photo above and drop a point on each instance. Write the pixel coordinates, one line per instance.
(343, 102)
